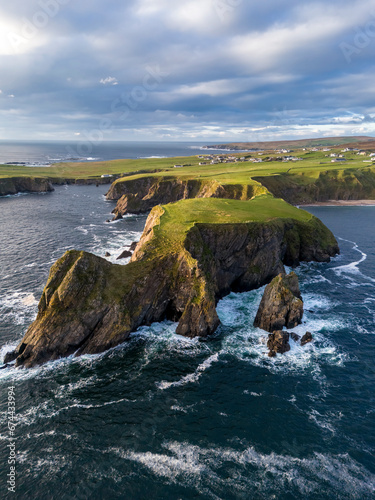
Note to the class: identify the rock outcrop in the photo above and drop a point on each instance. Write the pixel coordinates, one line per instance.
(90, 305)
(329, 185)
(278, 342)
(125, 254)
(306, 338)
(14, 185)
(281, 305)
(140, 195)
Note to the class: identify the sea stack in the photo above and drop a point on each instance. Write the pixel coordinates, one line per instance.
(281, 305)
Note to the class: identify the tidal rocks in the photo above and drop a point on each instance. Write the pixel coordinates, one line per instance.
(281, 305)
(278, 342)
(124, 255)
(306, 338)
(117, 216)
(294, 336)
(107, 254)
(133, 246)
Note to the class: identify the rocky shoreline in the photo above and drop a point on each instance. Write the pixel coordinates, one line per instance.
(15, 185)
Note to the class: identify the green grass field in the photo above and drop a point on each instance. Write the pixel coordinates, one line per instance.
(229, 173)
(304, 172)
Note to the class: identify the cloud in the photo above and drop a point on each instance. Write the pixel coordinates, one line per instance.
(110, 80)
(222, 69)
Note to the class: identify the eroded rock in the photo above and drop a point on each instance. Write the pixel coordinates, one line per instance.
(281, 305)
(306, 338)
(278, 342)
(294, 336)
(124, 255)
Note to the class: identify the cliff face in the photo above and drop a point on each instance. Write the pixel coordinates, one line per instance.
(141, 194)
(90, 305)
(14, 185)
(329, 185)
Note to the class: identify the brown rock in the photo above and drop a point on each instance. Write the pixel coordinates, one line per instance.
(294, 336)
(14, 185)
(281, 305)
(107, 254)
(133, 245)
(124, 255)
(278, 342)
(117, 216)
(306, 338)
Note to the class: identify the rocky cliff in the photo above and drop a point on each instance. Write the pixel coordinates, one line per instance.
(14, 185)
(140, 194)
(328, 185)
(179, 270)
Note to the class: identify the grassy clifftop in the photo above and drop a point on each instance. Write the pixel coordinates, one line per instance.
(174, 221)
(282, 174)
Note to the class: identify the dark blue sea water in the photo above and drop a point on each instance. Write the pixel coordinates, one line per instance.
(165, 417)
(37, 153)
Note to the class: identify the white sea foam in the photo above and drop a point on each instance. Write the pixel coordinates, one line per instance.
(352, 267)
(5, 349)
(262, 473)
(191, 377)
(18, 307)
(83, 229)
(321, 421)
(49, 409)
(248, 344)
(119, 241)
(150, 157)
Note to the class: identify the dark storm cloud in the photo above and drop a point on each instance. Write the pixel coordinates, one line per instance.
(196, 69)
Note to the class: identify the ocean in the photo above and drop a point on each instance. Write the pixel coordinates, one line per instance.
(45, 153)
(165, 417)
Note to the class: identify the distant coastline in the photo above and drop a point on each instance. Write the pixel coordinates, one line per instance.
(340, 203)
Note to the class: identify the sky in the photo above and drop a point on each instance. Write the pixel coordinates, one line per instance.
(188, 70)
